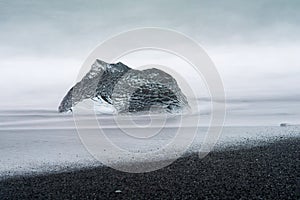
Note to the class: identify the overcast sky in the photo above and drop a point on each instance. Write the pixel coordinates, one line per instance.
(254, 44)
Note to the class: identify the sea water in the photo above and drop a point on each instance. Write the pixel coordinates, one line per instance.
(35, 141)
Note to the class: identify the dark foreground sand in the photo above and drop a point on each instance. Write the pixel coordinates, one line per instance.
(266, 172)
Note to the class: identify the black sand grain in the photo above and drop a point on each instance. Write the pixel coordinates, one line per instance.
(265, 172)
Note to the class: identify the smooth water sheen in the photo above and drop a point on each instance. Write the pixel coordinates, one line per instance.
(44, 140)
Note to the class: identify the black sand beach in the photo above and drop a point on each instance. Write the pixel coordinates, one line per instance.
(271, 171)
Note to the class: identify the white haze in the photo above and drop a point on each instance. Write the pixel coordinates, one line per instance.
(254, 45)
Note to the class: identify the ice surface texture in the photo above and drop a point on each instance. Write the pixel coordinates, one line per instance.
(128, 90)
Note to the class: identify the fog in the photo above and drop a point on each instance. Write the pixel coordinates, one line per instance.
(254, 45)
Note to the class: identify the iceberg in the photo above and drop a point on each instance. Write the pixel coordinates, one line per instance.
(127, 90)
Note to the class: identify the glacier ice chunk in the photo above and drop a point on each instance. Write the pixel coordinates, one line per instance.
(127, 90)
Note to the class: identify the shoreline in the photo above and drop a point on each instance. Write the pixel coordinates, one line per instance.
(268, 171)
(57, 168)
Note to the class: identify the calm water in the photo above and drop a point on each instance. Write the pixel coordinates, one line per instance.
(43, 140)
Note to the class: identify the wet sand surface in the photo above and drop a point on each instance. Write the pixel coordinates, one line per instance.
(269, 171)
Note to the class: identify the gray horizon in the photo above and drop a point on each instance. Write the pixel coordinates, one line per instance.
(254, 45)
